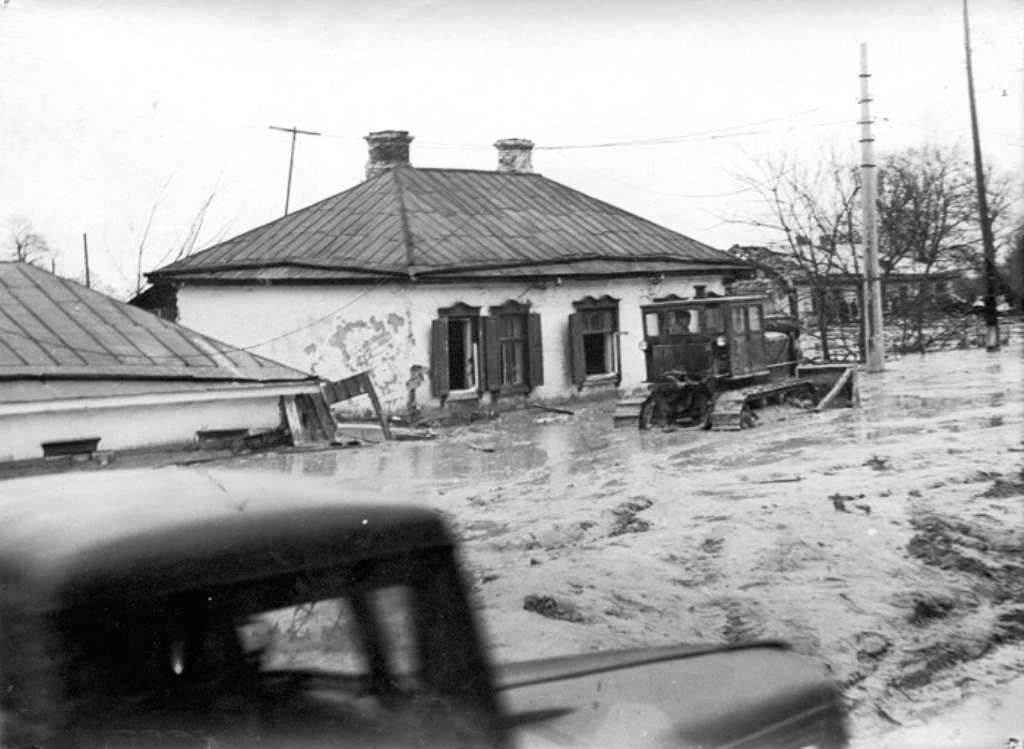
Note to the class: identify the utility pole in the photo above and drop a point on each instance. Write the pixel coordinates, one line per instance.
(874, 338)
(291, 161)
(991, 317)
(85, 248)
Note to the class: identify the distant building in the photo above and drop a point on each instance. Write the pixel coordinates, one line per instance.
(81, 372)
(791, 292)
(450, 286)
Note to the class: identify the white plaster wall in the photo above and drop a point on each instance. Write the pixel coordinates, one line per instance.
(338, 331)
(130, 427)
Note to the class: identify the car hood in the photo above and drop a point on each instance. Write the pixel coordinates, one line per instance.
(737, 695)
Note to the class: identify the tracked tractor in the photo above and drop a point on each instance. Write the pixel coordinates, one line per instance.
(718, 363)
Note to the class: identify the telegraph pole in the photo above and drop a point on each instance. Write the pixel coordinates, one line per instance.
(291, 161)
(85, 248)
(874, 338)
(991, 317)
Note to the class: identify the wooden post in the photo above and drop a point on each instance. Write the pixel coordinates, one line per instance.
(987, 240)
(874, 343)
(367, 384)
(300, 436)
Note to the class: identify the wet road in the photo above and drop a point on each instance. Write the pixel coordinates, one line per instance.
(658, 537)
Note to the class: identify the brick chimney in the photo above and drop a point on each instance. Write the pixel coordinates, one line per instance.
(514, 155)
(388, 148)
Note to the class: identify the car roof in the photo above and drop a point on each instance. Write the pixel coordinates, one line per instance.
(65, 538)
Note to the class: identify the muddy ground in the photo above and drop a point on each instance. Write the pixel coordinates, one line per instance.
(884, 540)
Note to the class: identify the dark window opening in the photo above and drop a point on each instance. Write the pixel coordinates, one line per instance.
(455, 351)
(594, 339)
(461, 358)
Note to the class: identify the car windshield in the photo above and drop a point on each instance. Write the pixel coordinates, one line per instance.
(295, 659)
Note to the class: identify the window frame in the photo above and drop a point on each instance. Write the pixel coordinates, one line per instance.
(580, 328)
(496, 345)
(441, 374)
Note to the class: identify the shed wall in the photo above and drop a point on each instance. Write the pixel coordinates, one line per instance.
(125, 428)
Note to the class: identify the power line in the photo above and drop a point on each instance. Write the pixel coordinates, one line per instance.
(648, 190)
(699, 135)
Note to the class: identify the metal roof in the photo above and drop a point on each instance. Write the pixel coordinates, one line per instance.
(445, 222)
(53, 328)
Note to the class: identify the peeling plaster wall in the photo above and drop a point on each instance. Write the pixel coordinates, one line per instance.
(338, 331)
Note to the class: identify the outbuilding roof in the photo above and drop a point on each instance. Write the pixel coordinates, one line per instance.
(55, 329)
(444, 224)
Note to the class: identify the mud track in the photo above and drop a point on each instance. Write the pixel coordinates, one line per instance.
(884, 541)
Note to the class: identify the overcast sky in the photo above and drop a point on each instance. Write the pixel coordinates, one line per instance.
(111, 107)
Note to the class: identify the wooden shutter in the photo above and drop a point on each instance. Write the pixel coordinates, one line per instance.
(576, 356)
(439, 380)
(492, 353)
(535, 375)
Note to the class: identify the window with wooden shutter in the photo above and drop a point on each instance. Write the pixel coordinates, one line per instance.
(492, 353)
(577, 354)
(535, 371)
(439, 357)
(594, 340)
(456, 351)
(514, 352)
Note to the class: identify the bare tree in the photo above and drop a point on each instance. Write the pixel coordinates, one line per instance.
(182, 247)
(811, 209)
(27, 245)
(928, 222)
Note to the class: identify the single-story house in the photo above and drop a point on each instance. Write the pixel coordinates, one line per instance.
(448, 285)
(81, 372)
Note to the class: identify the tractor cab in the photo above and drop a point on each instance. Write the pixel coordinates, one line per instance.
(715, 361)
(720, 337)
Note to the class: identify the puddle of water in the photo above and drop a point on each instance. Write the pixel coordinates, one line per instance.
(952, 392)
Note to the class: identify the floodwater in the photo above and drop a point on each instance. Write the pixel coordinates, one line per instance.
(884, 540)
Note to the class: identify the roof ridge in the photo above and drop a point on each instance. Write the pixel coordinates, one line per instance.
(403, 218)
(268, 223)
(409, 220)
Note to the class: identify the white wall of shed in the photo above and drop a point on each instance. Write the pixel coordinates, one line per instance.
(126, 428)
(336, 331)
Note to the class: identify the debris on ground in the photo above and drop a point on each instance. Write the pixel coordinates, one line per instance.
(871, 645)
(552, 409)
(839, 502)
(1005, 488)
(550, 607)
(782, 480)
(626, 520)
(878, 463)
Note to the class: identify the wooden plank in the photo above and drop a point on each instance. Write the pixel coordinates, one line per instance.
(300, 437)
(319, 431)
(323, 413)
(385, 428)
(836, 389)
